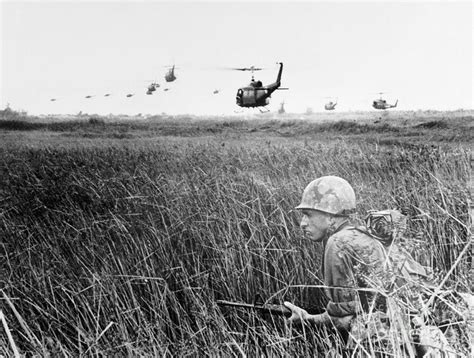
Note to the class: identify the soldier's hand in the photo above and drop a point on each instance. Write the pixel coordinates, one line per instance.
(298, 315)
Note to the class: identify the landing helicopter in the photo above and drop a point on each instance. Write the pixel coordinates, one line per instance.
(382, 104)
(330, 105)
(256, 94)
(170, 76)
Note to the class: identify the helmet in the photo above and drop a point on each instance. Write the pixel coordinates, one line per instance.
(329, 194)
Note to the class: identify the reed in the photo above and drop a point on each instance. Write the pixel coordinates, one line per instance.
(123, 249)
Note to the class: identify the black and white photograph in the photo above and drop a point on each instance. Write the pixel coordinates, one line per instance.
(236, 178)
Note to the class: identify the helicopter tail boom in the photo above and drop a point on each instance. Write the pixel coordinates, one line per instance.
(274, 86)
(279, 74)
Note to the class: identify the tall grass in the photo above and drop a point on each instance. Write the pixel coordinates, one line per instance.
(124, 250)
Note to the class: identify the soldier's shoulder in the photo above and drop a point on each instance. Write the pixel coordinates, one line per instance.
(351, 231)
(350, 235)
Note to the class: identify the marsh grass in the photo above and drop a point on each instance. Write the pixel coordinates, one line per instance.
(124, 249)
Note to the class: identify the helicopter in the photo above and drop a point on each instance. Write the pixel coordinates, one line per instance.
(382, 104)
(107, 95)
(89, 96)
(152, 88)
(170, 76)
(281, 110)
(130, 95)
(329, 106)
(256, 94)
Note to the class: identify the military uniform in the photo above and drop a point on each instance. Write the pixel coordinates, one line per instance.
(355, 259)
(350, 258)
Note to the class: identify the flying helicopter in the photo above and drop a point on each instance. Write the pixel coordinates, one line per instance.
(256, 94)
(170, 76)
(130, 95)
(152, 88)
(216, 91)
(89, 96)
(329, 106)
(107, 95)
(281, 110)
(382, 103)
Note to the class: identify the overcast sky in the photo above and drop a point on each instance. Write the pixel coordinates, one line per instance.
(417, 52)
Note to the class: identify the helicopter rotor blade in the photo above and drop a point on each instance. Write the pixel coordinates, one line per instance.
(248, 69)
(251, 68)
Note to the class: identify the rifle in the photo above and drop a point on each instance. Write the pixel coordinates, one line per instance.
(318, 319)
(273, 309)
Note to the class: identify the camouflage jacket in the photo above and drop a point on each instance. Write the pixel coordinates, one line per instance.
(359, 270)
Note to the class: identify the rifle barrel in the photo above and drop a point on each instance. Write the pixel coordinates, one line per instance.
(277, 310)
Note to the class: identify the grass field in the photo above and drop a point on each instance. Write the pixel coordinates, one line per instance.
(117, 236)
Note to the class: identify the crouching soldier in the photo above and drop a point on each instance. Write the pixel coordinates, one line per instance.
(359, 268)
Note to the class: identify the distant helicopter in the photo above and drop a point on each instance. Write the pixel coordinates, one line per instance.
(53, 99)
(89, 96)
(256, 94)
(107, 95)
(382, 104)
(330, 105)
(281, 110)
(170, 76)
(152, 88)
(216, 91)
(130, 95)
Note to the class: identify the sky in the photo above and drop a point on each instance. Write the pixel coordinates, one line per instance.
(420, 53)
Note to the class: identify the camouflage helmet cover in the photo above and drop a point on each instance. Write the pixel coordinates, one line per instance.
(329, 194)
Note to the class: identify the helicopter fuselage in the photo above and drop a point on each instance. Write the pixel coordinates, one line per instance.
(253, 97)
(382, 104)
(170, 77)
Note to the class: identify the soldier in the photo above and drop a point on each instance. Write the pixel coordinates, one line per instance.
(356, 267)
